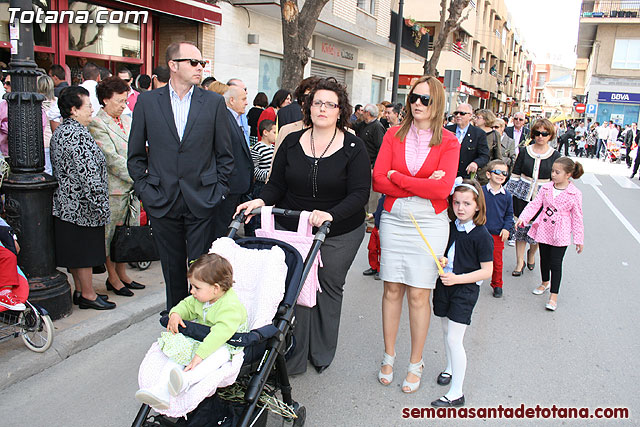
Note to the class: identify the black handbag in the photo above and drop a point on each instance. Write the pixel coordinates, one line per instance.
(133, 243)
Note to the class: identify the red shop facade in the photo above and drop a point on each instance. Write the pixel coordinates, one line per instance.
(138, 46)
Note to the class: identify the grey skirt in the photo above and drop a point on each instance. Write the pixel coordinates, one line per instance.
(405, 257)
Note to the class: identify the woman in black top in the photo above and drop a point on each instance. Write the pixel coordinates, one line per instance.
(323, 169)
(260, 102)
(531, 170)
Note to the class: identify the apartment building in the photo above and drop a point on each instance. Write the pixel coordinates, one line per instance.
(488, 51)
(350, 43)
(551, 91)
(608, 66)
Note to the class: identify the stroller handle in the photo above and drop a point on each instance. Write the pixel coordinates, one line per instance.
(320, 235)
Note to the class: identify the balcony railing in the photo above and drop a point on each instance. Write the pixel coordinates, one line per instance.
(457, 50)
(610, 9)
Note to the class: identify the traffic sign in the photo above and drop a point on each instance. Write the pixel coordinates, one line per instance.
(591, 109)
(580, 108)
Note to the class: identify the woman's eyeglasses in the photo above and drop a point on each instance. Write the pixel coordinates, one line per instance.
(7, 83)
(535, 133)
(495, 127)
(424, 99)
(499, 172)
(329, 105)
(193, 62)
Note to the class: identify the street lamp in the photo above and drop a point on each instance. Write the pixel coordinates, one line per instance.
(28, 190)
(483, 64)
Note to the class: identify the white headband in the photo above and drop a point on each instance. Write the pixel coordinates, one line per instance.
(458, 183)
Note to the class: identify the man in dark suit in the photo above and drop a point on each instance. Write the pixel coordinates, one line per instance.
(242, 175)
(184, 172)
(518, 129)
(474, 150)
(629, 137)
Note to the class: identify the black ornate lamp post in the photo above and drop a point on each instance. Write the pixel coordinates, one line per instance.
(28, 190)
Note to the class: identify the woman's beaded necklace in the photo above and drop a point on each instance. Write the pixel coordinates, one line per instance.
(314, 168)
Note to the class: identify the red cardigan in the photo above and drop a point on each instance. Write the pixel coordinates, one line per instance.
(402, 184)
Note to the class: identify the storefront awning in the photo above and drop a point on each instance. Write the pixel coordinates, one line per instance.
(188, 9)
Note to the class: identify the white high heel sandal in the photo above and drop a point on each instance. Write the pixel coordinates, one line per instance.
(415, 369)
(387, 360)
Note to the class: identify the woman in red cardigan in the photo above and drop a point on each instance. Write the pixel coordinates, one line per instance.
(416, 168)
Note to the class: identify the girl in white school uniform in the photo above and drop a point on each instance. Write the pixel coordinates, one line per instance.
(468, 261)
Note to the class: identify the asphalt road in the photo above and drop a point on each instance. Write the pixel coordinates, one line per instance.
(583, 355)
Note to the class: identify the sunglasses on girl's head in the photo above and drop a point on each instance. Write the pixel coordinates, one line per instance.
(193, 62)
(535, 133)
(499, 172)
(424, 99)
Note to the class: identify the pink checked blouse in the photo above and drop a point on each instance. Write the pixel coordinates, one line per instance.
(417, 148)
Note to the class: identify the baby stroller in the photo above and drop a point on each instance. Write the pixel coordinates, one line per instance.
(31, 322)
(264, 370)
(613, 153)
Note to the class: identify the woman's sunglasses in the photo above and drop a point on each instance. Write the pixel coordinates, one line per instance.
(535, 133)
(424, 99)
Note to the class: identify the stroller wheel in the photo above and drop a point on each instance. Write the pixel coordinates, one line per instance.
(301, 412)
(37, 330)
(143, 265)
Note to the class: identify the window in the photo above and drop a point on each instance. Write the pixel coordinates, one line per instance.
(41, 32)
(540, 97)
(626, 54)
(377, 89)
(368, 6)
(269, 81)
(113, 39)
(559, 93)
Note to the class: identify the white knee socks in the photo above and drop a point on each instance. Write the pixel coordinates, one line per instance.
(456, 356)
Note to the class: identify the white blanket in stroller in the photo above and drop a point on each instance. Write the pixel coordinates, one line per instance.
(259, 280)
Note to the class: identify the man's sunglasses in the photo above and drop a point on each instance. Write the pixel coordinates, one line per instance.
(193, 62)
(518, 119)
(499, 172)
(535, 133)
(460, 113)
(424, 99)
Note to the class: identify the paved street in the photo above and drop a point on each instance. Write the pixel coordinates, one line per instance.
(583, 355)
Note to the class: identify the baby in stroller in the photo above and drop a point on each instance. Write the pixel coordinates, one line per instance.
(213, 303)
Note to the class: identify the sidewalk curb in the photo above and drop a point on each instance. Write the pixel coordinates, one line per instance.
(25, 364)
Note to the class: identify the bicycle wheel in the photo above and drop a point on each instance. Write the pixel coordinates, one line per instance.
(37, 330)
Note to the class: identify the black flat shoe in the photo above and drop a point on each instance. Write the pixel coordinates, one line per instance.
(369, 272)
(134, 285)
(443, 402)
(444, 378)
(123, 291)
(321, 369)
(497, 292)
(97, 304)
(78, 294)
